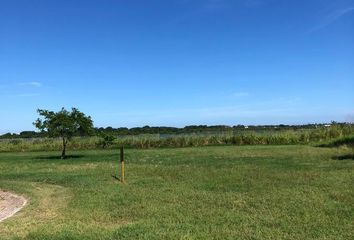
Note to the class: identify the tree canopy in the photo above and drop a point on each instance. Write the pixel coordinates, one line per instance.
(64, 124)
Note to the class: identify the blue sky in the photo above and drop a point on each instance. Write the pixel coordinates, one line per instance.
(177, 62)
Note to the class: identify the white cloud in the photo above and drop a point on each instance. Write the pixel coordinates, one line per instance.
(332, 17)
(35, 84)
(32, 84)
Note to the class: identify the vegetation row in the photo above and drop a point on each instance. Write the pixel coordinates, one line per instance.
(322, 135)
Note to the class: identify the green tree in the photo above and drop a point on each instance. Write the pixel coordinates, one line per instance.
(64, 124)
(106, 140)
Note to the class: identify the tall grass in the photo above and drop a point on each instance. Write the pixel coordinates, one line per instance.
(319, 135)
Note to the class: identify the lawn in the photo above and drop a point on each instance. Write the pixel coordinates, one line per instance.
(225, 192)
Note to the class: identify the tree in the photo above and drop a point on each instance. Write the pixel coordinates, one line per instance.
(64, 124)
(106, 140)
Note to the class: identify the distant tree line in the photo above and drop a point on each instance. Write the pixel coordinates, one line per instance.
(123, 131)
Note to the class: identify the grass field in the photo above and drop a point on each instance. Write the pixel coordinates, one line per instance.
(225, 192)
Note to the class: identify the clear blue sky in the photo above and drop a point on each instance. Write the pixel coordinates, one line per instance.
(177, 62)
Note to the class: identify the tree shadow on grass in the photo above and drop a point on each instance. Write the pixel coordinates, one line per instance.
(344, 157)
(55, 157)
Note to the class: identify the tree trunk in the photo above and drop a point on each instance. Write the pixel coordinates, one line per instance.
(63, 156)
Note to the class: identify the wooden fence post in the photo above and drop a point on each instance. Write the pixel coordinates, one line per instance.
(122, 163)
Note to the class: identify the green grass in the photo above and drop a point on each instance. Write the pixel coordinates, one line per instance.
(225, 192)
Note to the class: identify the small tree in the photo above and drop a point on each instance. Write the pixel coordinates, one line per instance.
(64, 124)
(106, 140)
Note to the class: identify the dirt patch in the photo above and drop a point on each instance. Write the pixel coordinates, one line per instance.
(10, 204)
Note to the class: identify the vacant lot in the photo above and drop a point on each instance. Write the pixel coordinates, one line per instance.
(245, 192)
